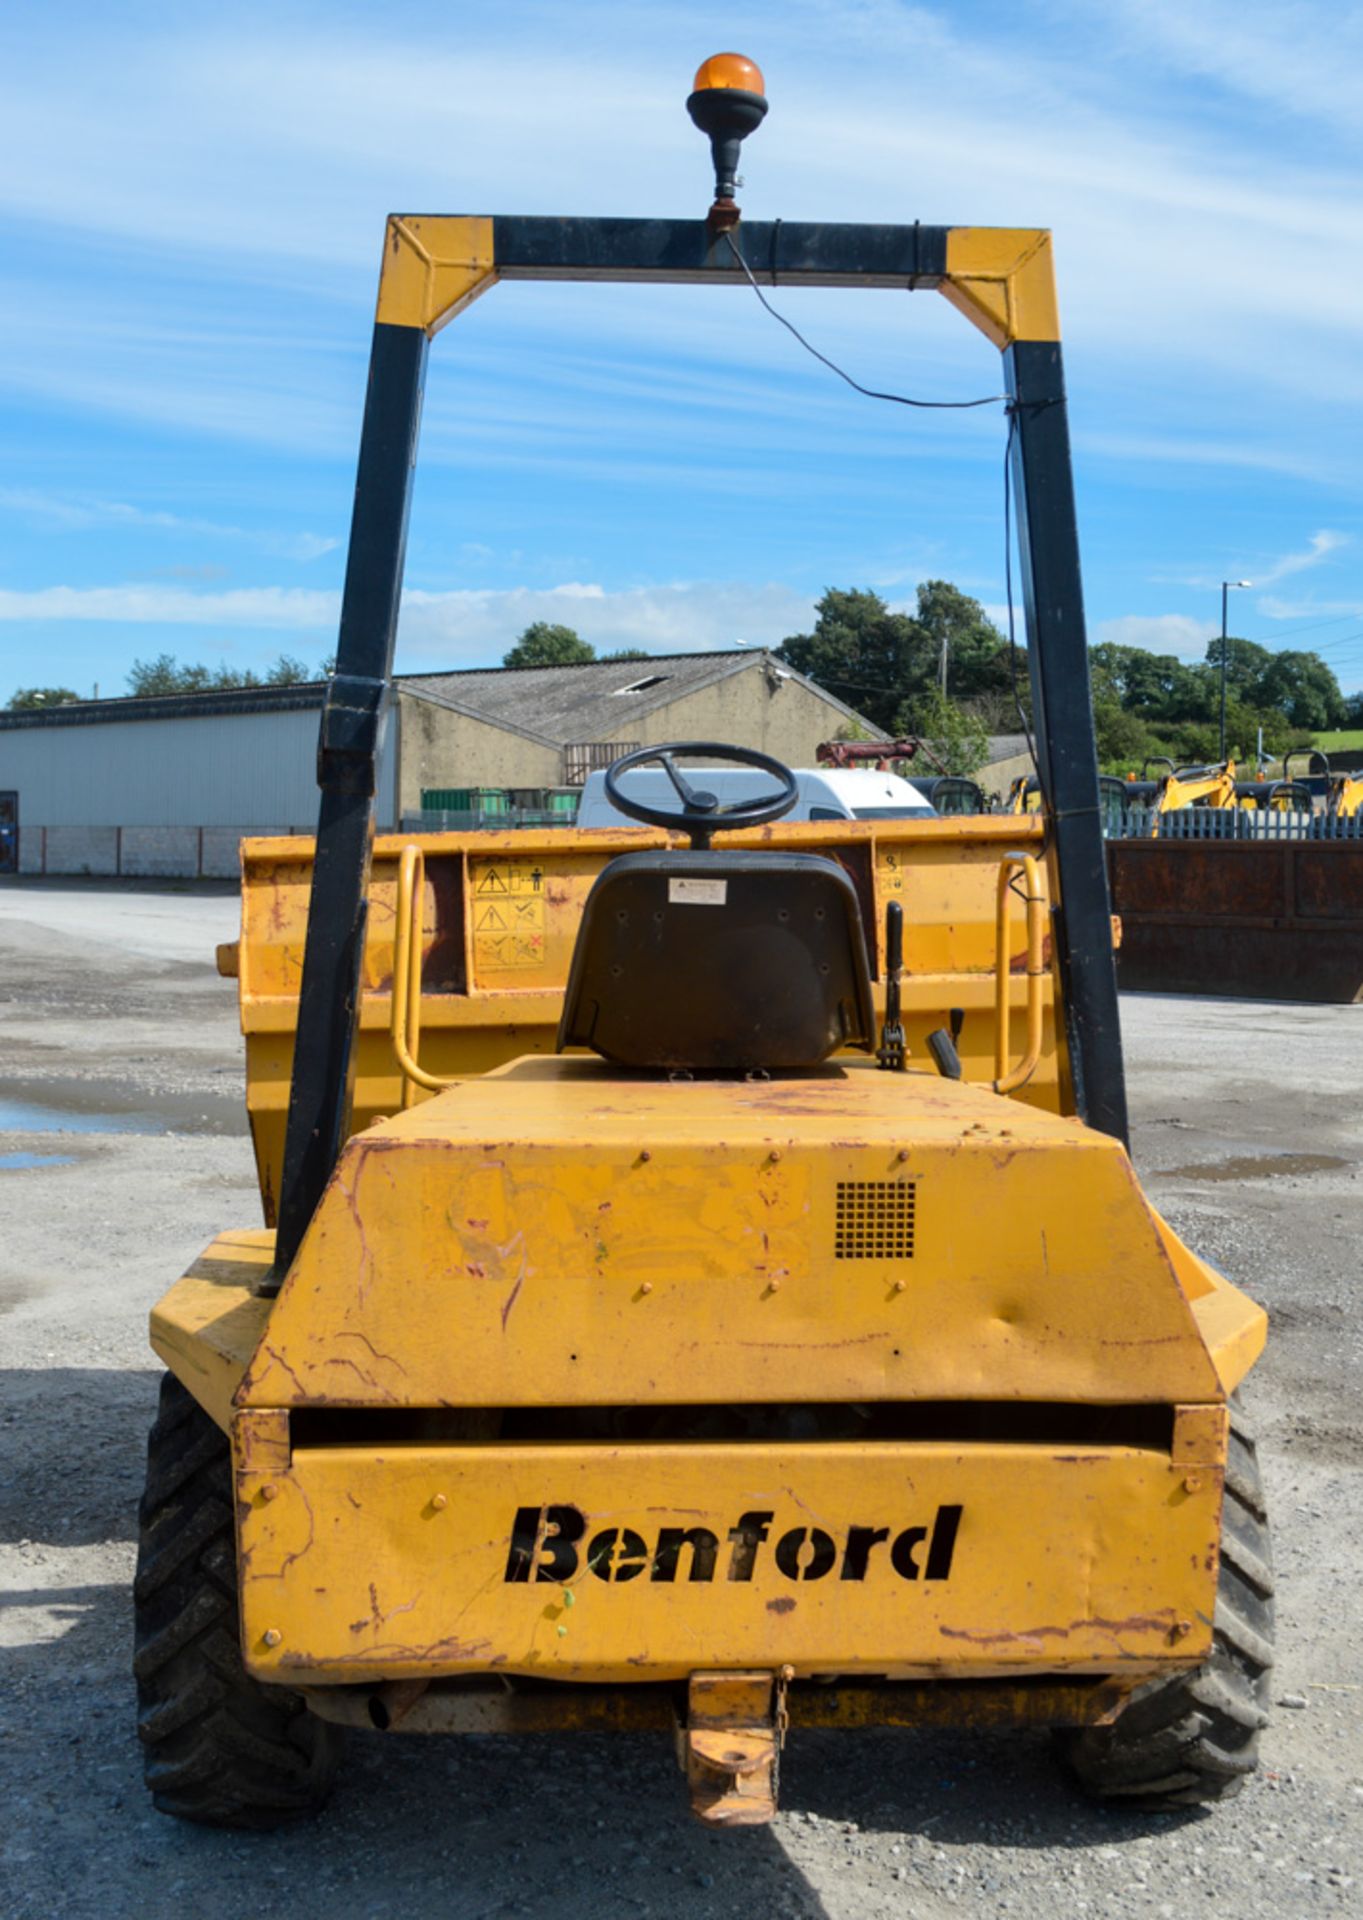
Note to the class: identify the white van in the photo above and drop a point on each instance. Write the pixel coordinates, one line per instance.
(826, 793)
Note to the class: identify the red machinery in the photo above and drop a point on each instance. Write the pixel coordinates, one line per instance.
(879, 754)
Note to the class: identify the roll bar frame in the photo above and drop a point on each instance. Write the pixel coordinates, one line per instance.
(434, 266)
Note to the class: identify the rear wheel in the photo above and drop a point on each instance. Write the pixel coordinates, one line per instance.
(1194, 1738)
(218, 1747)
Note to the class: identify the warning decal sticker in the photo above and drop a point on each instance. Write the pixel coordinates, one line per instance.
(508, 915)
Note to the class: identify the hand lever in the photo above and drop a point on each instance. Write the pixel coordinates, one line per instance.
(942, 1046)
(892, 1053)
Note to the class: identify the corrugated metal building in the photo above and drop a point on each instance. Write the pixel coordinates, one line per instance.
(168, 786)
(165, 786)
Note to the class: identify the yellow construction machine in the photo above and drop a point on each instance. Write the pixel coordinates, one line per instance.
(704, 1287)
(1195, 787)
(1214, 787)
(1345, 797)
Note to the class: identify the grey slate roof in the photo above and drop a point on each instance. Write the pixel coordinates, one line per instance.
(569, 705)
(557, 706)
(168, 706)
(1005, 746)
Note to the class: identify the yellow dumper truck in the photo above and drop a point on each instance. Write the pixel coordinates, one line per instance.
(704, 1287)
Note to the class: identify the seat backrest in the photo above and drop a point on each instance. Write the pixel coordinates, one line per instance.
(726, 962)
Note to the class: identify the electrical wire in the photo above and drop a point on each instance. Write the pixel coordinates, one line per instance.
(903, 400)
(1345, 642)
(871, 393)
(1313, 626)
(987, 400)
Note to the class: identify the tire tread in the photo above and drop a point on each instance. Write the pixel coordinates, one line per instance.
(219, 1748)
(1193, 1738)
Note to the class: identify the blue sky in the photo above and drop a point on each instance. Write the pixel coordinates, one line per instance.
(192, 201)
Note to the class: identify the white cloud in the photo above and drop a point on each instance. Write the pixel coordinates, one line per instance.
(285, 608)
(1174, 633)
(1302, 58)
(74, 512)
(1196, 450)
(1320, 546)
(1327, 612)
(460, 628)
(226, 197)
(207, 118)
(473, 626)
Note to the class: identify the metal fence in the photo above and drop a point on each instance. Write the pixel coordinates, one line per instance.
(481, 820)
(1236, 823)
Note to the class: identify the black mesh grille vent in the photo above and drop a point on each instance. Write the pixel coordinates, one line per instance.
(875, 1220)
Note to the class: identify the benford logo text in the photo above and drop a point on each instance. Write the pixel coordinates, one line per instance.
(547, 1543)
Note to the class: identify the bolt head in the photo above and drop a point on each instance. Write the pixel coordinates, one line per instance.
(272, 1636)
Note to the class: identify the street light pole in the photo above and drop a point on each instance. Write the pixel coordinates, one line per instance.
(1226, 586)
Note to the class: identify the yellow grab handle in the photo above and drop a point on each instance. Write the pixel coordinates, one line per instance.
(1005, 1081)
(404, 1025)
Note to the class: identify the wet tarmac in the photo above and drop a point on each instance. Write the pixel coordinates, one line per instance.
(30, 1116)
(1259, 1166)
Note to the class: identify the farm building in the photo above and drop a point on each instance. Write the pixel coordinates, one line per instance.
(168, 786)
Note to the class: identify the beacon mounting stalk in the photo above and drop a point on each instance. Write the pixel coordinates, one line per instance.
(728, 103)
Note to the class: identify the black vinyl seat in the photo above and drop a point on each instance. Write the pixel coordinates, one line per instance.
(722, 962)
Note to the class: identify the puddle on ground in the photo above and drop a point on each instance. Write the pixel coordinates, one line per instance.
(30, 1116)
(67, 1105)
(17, 1162)
(1257, 1166)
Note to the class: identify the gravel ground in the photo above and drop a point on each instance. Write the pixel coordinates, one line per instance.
(123, 1148)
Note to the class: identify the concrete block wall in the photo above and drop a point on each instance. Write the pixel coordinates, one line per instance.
(159, 853)
(76, 849)
(220, 857)
(148, 853)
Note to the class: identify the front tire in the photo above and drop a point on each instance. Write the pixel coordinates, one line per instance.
(218, 1747)
(1193, 1739)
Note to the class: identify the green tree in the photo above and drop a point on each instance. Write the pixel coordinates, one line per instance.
(977, 659)
(289, 672)
(1125, 741)
(1302, 687)
(627, 653)
(1245, 661)
(25, 697)
(165, 675)
(877, 660)
(1157, 686)
(862, 653)
(544, 644)
(956, 736)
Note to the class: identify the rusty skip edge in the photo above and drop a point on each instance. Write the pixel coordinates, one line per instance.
(480, 1706)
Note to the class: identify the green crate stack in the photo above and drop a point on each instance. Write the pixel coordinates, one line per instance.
(464, 800)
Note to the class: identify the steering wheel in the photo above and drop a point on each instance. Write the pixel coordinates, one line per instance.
(700, 813)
